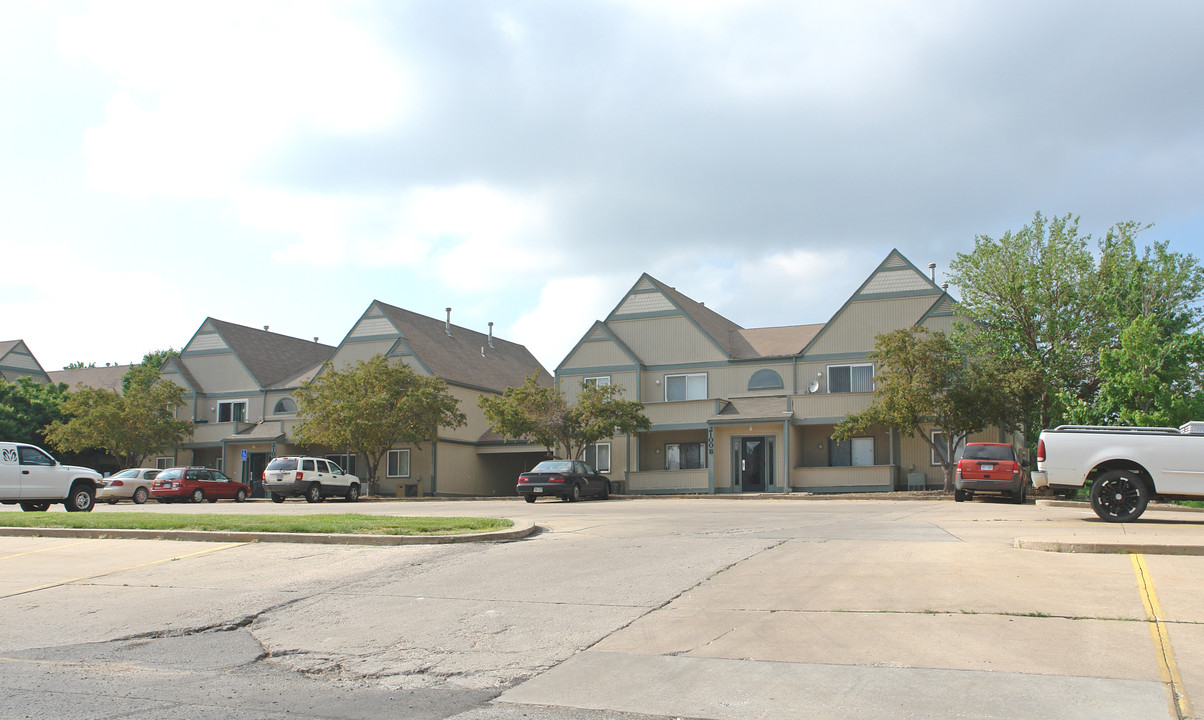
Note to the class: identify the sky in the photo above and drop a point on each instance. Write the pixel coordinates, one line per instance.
(287, 163)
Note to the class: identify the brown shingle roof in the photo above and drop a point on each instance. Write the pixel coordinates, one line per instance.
(101, 378)
(270, 357)
(780, 341)
(459, 358)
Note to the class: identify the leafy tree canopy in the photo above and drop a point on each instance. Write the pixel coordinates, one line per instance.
(926, 381)
(540, 414)
(27, 407)
(129, 425)
(1072, 321)
(371, 407)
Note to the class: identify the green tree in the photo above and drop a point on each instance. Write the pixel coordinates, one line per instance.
(926, 381)
(1044, 304)
(129, 425)
(540, 414)
(371, 407)
(27, 407)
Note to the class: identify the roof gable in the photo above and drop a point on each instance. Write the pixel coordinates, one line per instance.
(270, 358)
(465, 357)
(650, 297)
(16, 356)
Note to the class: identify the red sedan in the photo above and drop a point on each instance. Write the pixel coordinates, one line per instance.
(194, 484)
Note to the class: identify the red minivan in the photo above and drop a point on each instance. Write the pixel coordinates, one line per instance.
(194, 484)
(991, 468)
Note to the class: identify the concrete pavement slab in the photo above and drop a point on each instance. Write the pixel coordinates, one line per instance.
(743, 690)
(994, 643)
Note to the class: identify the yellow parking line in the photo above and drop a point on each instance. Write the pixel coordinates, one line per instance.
(55, 547)
(123, 569)
(1168, 669)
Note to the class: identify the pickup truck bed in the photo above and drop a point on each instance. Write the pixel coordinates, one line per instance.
(1124, 467)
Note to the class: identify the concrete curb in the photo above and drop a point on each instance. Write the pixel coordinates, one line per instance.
(521, 529)
(1109, 548)
(1085, 505)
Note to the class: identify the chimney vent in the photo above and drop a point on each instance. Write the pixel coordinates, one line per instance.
(932, 270)
(447, 325)
(315, 338)
(945, 286)
(490, 333)
(265, 327)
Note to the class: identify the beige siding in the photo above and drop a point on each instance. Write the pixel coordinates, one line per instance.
(942, 323)
(854, 329)
(916, 455)
(477, 425)
(811, 448)
(570, 384)
(679, 413)
(597, 353)
(687, 481)
(835, 405)
(818, 479)
(221, 372)
(666, 340)
(351, 352)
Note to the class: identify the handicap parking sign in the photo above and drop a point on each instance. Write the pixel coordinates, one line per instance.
(244, 454)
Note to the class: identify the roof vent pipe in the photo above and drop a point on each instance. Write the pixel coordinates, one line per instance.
(265, 328)
(315, 338)
(945, 286)
(490, 333)
(447, 326)
(932, 270)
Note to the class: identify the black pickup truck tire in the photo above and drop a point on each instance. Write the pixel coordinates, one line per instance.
(1119, 496)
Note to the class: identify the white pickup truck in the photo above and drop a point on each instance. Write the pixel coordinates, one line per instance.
(31, 477)
(1126, 466)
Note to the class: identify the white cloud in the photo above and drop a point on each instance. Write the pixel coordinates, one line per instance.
(567, 307)
(207, 90)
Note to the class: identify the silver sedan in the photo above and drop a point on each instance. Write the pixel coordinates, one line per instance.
(133, 484)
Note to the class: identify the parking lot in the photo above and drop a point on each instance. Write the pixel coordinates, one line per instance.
(665, 607)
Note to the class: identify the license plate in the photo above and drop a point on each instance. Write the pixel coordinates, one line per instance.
(987, 466)
(538, 489)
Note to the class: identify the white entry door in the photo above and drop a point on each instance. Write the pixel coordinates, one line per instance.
(863, 451)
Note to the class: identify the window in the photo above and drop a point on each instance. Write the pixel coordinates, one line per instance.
(307, 465)
(232, 411)
(692, 386)
(322, 466)
(765, 379)
(344, 463)
(164, 462)
(850, 378)
(34, 456)
(942, 444)
(221, 464)
(597, 456)
(595, 380)
(285, 406)
(685, 456)
(855, 452)
(399, 464)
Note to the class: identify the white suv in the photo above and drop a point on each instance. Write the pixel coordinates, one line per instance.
(313, 478)
(31, 477)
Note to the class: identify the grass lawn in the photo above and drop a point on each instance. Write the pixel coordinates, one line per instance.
(342, 524)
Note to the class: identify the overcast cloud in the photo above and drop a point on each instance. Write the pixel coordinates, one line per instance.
(285, 163)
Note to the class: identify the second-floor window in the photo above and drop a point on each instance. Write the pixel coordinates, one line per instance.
(232, 411)
(595, 380)
(687, 386)
(850, 378)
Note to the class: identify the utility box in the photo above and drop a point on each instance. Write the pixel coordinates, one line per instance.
(916, 480)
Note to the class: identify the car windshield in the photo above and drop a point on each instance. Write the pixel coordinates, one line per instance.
(989, 452)
(553, 466)
(283, 464)
(126, 474)
(172, 474)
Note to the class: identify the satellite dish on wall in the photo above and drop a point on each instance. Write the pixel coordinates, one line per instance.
(813, 387)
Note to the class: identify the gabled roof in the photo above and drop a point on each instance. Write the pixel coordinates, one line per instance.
(465, 357)
(101, 378)
(272, 359)
(15, 355)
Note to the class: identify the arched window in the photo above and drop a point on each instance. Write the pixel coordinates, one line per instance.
(765, 380)
(284, 406)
